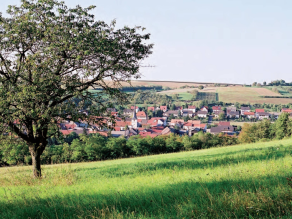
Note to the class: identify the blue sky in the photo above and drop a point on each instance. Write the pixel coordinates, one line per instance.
(231, 41)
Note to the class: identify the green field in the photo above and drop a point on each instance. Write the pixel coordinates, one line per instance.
(244, 181)
(185, 96)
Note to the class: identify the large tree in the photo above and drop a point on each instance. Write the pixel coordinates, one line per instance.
(49, 56)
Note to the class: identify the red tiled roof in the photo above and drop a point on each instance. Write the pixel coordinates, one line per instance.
(66, 132)
(117, 128)
(133, 107)
(141, 114)
(195, 122)
(286, 110)
(122, 123)
(154, 121)
(192, 107)
(144, 133)
(157, 129)
(224, 123)
(260, 110)
(70, 126)
(249, 113)
(114, 113)
(216, 107)
(195, 125)
(153, 135)
(177, 121)
(151, 108)
(163, 107)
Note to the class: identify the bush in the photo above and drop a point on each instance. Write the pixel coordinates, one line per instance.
(96, 147)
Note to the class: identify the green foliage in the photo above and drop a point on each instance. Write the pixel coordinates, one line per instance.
(95, 147)
(69, 138)
(150, 97)
(56, 54)
(194, 93)
(221, 116)
(266, 130)
(14, 151)
(283, 126)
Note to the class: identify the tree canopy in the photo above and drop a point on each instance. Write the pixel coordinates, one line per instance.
(50, 55)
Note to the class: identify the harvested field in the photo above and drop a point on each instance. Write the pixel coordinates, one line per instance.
(265, 92)
(210, 89)
(248, 95)
(177, 91)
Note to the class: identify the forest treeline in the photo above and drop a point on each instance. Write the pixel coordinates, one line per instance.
(95, 147)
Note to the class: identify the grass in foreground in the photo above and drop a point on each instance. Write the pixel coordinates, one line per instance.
(244, 181)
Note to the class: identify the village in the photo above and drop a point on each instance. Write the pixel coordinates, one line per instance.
(181, 121)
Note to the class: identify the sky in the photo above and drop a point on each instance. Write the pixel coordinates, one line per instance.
(228, 41)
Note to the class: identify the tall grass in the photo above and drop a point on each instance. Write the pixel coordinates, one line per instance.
(244, 181)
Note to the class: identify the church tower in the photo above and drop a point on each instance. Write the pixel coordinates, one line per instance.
(134, 119)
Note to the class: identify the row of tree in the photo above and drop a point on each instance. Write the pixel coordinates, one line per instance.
(150, 97)
(273, 83)
(95, 147)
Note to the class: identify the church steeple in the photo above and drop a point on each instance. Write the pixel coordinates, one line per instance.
(134, 119)
(134, 114)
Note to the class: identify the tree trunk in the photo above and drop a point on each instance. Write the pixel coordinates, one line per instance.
(36, 163)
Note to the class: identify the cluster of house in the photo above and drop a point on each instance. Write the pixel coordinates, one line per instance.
(136, 121)
(259, 114)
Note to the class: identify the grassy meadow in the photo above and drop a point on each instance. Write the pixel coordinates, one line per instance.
(244, 181)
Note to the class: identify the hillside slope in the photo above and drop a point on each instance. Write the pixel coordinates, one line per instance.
(228, 182)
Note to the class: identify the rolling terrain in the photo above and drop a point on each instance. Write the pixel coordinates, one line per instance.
(226, 93)
(243, 181)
